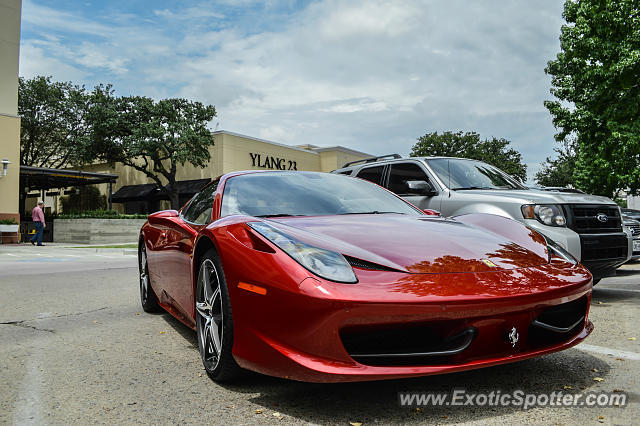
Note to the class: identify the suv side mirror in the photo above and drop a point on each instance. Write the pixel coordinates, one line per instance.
(420, 187)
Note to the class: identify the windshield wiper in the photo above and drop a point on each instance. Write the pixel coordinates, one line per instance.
(473, 187)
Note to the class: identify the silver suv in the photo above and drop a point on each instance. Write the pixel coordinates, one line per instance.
(588, 226)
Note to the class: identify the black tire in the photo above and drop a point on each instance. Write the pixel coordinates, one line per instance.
(214, 321)
(148, 298)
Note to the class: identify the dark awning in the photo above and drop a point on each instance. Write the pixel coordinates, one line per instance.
(191, 187)
(38, 178)
(150, 191)
(134, 193)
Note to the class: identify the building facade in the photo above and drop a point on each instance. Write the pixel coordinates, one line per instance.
(10, 11)
(134, 192)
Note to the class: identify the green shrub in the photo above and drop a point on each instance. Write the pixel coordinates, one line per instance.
(100, 214)
(11, 221)
(622, 202)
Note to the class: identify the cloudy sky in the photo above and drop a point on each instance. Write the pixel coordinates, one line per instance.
(370, 75)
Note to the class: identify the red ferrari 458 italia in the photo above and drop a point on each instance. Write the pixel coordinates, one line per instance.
(327, 278)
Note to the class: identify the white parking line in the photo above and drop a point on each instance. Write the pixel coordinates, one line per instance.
(608, 351)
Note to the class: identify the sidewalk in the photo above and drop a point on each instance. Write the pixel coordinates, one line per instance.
(52, 249)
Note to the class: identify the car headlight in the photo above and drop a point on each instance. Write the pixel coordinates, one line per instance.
(327, 264)
(556, 250)
(547, 214)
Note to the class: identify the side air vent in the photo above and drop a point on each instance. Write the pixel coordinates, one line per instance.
(363, 264)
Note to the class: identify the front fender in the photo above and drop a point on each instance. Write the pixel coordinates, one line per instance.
(508, 228)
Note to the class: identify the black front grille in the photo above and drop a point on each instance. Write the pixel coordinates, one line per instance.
(603, 247)
(584, 218)
(558, 322)
(635, 229)
(408, 344)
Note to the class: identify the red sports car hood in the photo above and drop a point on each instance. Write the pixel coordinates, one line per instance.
(423, 244)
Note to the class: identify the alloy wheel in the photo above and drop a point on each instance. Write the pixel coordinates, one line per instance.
(144, 275)
(209, 315)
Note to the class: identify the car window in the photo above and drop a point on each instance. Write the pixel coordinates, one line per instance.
(372, 174)
(459, 173)
(201, 206)
(307, 194)
(401, 173)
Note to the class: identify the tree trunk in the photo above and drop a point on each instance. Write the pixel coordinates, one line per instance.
(174, 198)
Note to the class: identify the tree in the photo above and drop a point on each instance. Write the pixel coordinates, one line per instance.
(468, 145)
(559, 171)
(51, 121)
(85, 198)
(596, 80)
(151, 137)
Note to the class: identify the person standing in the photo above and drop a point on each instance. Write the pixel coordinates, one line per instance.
(38, 219)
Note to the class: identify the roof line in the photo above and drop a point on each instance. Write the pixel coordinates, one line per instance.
(343, 149)
(226, 132)
(46, 170)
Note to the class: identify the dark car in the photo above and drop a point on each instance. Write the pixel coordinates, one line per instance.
(633, 214)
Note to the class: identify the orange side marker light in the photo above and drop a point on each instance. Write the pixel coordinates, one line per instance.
(252, 288)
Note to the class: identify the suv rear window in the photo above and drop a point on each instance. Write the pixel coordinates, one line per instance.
(372, 174)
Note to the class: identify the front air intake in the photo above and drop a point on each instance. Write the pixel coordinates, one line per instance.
(363, 264)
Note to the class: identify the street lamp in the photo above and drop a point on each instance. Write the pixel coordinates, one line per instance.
(5, 166)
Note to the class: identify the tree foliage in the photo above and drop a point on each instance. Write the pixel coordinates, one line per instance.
(559, 171)
(153, 137)
(52, 121)
(596, 80)
(85, 198)
(468, 145)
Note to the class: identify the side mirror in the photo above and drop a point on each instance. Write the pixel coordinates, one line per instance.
(165, 213)
(159, 219)
(420, 187)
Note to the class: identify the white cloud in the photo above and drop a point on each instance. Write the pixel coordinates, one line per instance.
(34, 60)
(372, 75)
(42, 17)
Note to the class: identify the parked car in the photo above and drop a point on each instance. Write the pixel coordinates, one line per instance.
(633, 214)
(634, 228)
(323, 278)
(587, 226)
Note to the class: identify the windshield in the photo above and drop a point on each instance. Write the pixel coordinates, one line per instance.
(458, 173)
(307, 194)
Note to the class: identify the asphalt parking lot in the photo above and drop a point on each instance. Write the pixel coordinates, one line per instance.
(77, 348)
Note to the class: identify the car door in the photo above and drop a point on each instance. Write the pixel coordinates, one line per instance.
(410, 181)
(179, 244)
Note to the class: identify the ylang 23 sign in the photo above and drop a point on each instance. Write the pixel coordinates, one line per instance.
(270, 162)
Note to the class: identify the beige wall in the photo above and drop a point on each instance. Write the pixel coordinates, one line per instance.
(233, 152)
(10, 150)
(237, 150)
(9, 122)
(9, 53)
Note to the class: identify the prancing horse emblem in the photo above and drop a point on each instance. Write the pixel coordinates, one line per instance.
(513, 337)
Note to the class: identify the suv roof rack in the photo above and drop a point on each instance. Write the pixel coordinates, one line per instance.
(371, 159)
